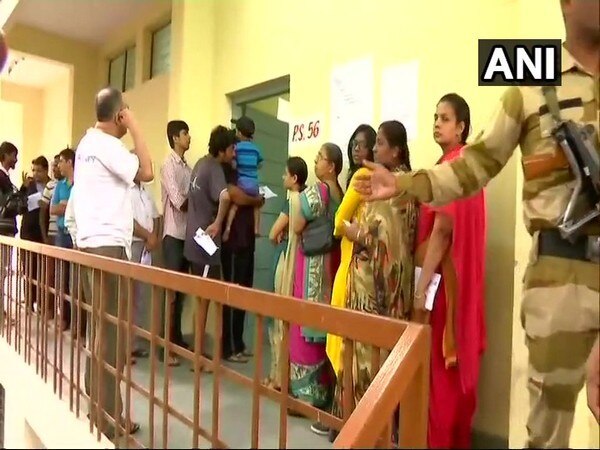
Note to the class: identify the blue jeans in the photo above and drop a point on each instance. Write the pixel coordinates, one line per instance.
(63, 239)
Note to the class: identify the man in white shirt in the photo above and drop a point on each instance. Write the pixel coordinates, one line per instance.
(105, 171)
(145, 240)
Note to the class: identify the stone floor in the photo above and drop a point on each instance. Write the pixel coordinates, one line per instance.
(235, 407)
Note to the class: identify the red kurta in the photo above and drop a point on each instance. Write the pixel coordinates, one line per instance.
(454, 375)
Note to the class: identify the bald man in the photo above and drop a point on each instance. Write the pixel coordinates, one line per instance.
(105, 227)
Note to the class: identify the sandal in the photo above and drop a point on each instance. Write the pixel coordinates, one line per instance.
(203, 369)
(173, 361)
(135, 427)
(139, 354)
(239, 358)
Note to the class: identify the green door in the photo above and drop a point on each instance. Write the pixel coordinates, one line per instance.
(271, 136)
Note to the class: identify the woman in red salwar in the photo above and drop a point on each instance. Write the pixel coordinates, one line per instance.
(451, 242)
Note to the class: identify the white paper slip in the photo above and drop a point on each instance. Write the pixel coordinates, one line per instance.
(146, 259)
(266, 192)
(434, 284)
(205, 241)
(33, 201)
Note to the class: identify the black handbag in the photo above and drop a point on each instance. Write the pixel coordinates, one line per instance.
(317, 236)
(13, 204)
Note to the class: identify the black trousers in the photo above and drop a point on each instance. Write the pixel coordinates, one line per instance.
(174, 260)
(238, 268)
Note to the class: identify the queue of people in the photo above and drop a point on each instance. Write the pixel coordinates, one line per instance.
(369, 265)
(334, 247)
(397, 243)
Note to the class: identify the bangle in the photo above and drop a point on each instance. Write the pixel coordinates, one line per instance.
(418, 296)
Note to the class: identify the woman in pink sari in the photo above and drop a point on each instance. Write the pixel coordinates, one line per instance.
(451, 242)
(311, 376)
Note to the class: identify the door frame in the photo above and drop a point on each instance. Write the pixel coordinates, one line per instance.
(272, 88)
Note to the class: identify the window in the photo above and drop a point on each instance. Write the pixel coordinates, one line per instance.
(121, 70)
(161, 51)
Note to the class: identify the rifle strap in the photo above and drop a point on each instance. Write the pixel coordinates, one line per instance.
(552, 102)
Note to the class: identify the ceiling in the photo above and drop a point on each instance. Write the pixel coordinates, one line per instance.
(86, 20)
(33, 71)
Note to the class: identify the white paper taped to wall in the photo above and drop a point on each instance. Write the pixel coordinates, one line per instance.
(400, 96)
(351, 100)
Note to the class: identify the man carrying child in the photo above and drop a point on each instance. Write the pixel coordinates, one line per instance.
(247, 162)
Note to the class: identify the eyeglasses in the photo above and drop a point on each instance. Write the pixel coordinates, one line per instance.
(320, 157)
(358, 143)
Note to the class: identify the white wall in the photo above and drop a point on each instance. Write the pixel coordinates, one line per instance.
(35, 416)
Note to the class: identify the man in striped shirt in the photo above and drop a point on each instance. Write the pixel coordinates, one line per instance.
(175, 184)
(47, 220)
(49, 228)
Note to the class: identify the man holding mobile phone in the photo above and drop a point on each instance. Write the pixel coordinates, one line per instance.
(105, 227)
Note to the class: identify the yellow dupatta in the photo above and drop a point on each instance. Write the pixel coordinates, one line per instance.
(284, 274)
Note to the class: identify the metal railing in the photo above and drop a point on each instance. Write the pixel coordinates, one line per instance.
(392, 412)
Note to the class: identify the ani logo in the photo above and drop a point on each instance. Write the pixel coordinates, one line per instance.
(522, 62)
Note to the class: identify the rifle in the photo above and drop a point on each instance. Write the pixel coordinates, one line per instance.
(577, 144)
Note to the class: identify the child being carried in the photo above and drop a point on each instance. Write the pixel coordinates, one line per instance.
(248, 159)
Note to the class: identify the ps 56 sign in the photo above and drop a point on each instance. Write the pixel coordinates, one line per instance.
(306, 130)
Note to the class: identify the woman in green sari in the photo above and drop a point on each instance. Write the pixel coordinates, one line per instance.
(380, 277)
(286, 241)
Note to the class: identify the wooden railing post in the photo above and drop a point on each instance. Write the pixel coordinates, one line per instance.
(401, 382)
(414, 407)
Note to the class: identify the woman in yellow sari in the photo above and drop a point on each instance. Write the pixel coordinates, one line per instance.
(294, 180)
(360, 148)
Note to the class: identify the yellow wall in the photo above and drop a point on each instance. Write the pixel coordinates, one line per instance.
(149, 99)
(57, 115)
(312, 37)
(32, 102)
(194, 46)
(209, 62)
(46, 117)
(83, 58)
(11, 130)
(305, 40)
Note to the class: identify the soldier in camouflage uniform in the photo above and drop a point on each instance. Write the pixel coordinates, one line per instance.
(561, 285)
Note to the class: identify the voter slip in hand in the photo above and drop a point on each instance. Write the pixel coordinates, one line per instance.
(434, 284)
(205, 241)
(146, 259)
(33, 201)
(266, 192)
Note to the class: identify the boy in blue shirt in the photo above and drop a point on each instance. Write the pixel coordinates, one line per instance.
(248, 159)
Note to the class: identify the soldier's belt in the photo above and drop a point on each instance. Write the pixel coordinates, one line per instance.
(585, 248)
